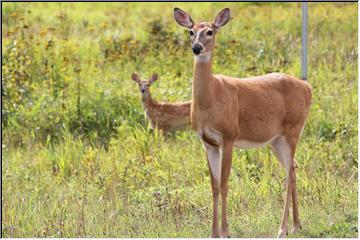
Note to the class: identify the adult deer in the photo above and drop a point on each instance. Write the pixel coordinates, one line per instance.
(166, 116)
(245, 113)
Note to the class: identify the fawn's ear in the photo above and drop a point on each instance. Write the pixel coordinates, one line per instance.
(135, 77)
(153, 78)
(182, 18)
(222, 18)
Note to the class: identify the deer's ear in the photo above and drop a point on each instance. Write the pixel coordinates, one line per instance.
(135, 77)
(222, 18)
(182, 18)
(153, 78)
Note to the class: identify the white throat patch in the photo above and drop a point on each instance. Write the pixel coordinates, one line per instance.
(203, 57)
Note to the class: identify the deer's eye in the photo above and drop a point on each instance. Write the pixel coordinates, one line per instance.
(191, 33)
(209, 33)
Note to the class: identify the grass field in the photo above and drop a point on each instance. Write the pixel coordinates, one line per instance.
(80, 161)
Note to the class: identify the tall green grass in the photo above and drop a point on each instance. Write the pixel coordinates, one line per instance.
(78, 157)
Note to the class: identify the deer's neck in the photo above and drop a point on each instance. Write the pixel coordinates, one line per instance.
(203, 82)
(147, 101)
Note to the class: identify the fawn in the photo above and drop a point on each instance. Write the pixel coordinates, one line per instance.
(229, 112)
(166, 116)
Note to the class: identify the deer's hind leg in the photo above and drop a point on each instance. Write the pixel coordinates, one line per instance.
(296, 218)
(284, 149)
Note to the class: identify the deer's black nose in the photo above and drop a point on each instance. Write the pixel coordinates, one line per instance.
(142, 90)
(196, 48)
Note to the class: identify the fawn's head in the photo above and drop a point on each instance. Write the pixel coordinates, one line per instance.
(144, 85)
(202, 34)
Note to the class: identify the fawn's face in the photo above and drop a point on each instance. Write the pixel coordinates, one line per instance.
(202, 34)
(144, 85)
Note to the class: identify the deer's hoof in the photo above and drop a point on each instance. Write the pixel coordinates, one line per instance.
(282, 233)
(296, 228)
(215, 235)
(225, 233)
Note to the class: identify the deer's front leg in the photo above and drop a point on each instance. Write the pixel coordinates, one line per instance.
(225, 172)
(213, 158)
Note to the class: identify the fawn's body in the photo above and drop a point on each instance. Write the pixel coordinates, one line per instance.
(163, 115)
(229, 112)
(167, 116)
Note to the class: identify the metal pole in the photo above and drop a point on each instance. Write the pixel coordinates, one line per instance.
(304, 15)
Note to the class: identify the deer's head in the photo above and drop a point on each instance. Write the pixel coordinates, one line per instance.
(202, 34)
(144, 85)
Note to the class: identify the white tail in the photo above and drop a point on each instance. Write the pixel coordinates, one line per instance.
(165, 116)
(229, 112)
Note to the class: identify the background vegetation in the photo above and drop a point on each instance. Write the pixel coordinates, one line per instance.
(79, 160)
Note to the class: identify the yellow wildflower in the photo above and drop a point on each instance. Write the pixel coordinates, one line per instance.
(43, 33)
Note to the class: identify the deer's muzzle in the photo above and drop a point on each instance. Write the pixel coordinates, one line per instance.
(197, 48)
